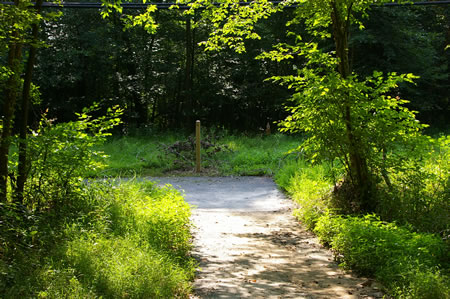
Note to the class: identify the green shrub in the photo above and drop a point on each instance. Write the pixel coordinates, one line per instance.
(129, 240)
(123, 268)
(59, 155)
(423, 283)
(308, 186)
(420, 191)
(402, 260)
(160, 216)
(62, 283)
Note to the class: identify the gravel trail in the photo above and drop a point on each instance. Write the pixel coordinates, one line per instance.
(250, 246)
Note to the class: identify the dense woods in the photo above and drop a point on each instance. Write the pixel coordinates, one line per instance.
(166, 79)
(361, 88)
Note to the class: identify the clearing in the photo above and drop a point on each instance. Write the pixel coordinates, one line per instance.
(249, 245)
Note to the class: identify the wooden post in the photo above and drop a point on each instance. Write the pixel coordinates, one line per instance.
(197, 146)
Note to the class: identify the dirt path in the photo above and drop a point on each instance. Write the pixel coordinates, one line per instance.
(250, 246)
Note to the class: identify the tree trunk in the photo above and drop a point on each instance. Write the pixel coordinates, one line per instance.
(189, 65)
(23, 159)
(358, 170)
(11, 91)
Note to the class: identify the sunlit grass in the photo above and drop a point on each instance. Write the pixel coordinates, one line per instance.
(408, 253)
(130, 240)
(145, 156)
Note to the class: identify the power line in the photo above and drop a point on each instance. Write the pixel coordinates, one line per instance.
(164, 5)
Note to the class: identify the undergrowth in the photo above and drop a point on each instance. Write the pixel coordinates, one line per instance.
(136, 155)
(163, 154)
(409, 264)
(406, 247)
(114, 241)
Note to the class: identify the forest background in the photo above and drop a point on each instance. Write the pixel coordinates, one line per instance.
(166, 80)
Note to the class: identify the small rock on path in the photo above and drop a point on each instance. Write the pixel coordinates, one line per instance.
(249, 245)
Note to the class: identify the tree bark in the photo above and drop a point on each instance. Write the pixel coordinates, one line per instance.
(11, 91)
(358, 169)
(189, 65)
(23, 157)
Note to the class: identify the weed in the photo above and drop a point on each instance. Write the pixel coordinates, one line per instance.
(407, 263)
(410, 264)
(115, 241)
(222, 155)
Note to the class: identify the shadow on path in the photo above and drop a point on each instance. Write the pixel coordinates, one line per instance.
(249, 245)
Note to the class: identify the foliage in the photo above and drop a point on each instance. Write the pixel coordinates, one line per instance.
(407, 263)
(399, 35)
(113, 241)
(409, 260)
(246, 155)
(19, 29)
(89, 58)
(308, 186)
(60, 154)
(144, 19)
(18, 19)
(419, 194)
(380, 121)
(232, 23)
(354, 121)
(347, 118)
(145, 72)
(160, 215)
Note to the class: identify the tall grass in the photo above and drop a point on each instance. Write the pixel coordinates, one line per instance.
(129, 156)
(115, 241)
(258, 155)
(140, 155)
(412, 261)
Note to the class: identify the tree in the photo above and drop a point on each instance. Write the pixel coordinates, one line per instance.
(353, 120)
(19, 29)
(16, 21)
(393, 38)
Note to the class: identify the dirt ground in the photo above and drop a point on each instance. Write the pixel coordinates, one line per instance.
(249, 245)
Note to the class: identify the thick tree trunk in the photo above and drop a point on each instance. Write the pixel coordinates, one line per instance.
(11, 91)
(23, 157)
(358, 169)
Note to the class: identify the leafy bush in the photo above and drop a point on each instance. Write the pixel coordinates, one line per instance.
(308, 186)
(401, 259)
(116, 241)
(60, 155)
(408, 263)
(159, 215)
(420, 190)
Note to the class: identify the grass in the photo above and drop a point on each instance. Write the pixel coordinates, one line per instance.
(409, 264)
(142, 155)
(114, 241)
(236, 155)
(133, 240)
(412, 259)
(256, 156)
